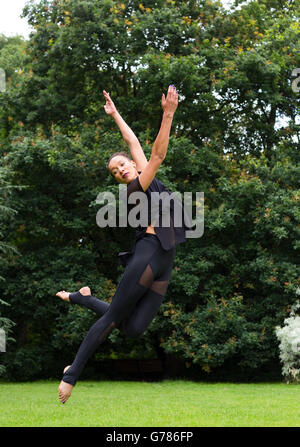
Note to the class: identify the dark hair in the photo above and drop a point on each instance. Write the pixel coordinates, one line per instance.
(124, 154)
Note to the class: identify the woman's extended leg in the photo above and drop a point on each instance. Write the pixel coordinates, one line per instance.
(84, 298)
(138, 320)
(140, 274)
(148, 306)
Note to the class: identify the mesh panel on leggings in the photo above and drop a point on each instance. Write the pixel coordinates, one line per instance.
(147, 277)
(147, 280)
(107, 331)
(160, 287)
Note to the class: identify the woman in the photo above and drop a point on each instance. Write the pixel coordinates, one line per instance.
(148, 265)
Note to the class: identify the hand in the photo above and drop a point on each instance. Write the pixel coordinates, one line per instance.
(109, 107)
(170, 103)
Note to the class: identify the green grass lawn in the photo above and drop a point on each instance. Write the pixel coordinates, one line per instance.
(170, 403)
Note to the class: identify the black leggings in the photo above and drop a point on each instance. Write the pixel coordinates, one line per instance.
(136, 302)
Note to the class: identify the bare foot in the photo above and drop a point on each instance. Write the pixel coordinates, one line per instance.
(63, 295)
(85, 291)
(65, 389)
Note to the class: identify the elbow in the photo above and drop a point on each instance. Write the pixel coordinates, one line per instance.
(156, 160)
(158, 153)
(156, 156)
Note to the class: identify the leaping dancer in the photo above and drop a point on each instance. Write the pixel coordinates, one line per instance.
(145, 280)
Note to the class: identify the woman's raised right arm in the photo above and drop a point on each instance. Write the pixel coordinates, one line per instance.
(160, 146)
(128, 135)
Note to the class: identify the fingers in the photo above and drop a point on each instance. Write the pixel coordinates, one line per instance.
(106, 95)
(172, 90)
(172, 95)
(170, 102)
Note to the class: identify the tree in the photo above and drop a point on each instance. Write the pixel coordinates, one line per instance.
(6, 253)
(230, 288)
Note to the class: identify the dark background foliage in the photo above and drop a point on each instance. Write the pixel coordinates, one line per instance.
(235, 138)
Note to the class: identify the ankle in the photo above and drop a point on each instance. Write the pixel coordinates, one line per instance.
(85, 291)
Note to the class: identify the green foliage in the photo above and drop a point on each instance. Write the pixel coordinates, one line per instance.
(235, 138)
(6, 326)
(7, 252)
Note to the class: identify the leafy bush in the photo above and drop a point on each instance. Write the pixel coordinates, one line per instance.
(289, 337)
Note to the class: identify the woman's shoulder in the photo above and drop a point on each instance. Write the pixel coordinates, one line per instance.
(159, 185)
(134, 186)
(155, 186)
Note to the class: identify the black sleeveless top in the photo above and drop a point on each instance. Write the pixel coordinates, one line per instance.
(171, 231)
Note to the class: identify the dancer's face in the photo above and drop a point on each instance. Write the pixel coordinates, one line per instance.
(122, 169)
